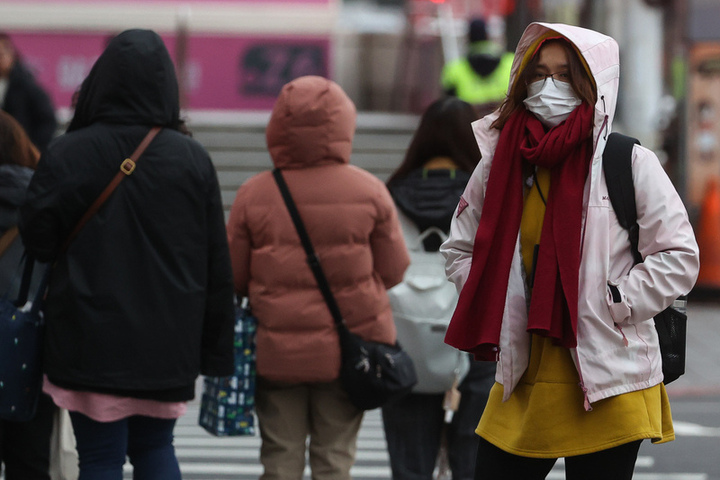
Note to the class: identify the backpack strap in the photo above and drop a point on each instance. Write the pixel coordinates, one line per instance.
(617, 167)
(669, 324)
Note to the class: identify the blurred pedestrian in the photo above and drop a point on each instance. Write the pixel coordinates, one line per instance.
(549, 284)
(426, 187)
(141, 301)
(352, 224)
(480, 77)
(23, 98)
(24, 446)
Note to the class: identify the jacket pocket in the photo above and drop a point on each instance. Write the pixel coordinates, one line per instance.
(617, 303)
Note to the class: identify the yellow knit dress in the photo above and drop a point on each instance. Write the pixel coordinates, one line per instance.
(545, 415)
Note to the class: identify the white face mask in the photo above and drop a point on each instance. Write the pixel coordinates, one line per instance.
(551, 101)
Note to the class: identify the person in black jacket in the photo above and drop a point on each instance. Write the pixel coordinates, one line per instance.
(23, 98)
(24, 446)
(426, 188)
(141, 302)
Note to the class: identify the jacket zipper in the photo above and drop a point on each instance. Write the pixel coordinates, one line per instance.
(586, 401)
(600, 132)
(625, 340)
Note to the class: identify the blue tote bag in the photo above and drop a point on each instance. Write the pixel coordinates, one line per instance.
(228, 403)
(21, 338)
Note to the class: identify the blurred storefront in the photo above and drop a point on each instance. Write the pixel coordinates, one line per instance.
(391, 52)
(234, 54)
(387, 54)
(702, 106)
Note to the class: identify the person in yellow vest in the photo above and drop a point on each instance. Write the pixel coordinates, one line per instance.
(481, 77)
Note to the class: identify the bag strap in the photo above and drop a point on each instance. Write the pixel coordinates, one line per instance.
(617, 167)
(127, 167)
(8, 238)
(6, 241)
(29, 265)
(312, 258)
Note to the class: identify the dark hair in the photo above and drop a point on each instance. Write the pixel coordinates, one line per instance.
(444, 131)
(15, 146)
(581, 83)
(4, 37)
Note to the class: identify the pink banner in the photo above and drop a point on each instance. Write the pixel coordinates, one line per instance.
(190, 2)
(222, 72)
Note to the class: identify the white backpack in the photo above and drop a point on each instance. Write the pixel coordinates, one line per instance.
(422, 306)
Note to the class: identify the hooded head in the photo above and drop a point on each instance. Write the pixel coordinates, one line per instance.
(598, 53)
(312, 123)
(133, 82)
(483, 54)
(477, 31)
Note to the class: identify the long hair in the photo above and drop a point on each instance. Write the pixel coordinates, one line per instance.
(580, 81)
(444, 131)
(15, 146)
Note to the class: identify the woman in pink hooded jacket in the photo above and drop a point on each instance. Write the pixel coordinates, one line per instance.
(549, 285)
(351, 221)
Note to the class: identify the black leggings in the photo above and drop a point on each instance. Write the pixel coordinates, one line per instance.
(617, 463)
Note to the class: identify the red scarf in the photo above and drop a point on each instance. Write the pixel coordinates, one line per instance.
(567, 151)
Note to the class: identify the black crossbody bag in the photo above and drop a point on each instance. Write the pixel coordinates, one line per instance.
(372, 373)
(671, 323)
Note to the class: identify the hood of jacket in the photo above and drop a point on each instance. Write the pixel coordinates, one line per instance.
(429, 197)
(602, 58)
(133, 82)
(312, 124)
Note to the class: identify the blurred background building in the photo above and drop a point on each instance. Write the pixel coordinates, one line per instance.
(235, 55)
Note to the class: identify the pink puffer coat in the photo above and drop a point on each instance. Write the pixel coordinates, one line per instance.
(351, 221)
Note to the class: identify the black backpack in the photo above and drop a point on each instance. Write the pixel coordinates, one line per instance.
(671, 323)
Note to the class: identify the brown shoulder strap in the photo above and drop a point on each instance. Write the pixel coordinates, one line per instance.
(7, 239)
(126, 169)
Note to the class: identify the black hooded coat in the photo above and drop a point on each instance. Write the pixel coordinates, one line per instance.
(141, 302)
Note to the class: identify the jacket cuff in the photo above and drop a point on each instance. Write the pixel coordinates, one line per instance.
(617, 304)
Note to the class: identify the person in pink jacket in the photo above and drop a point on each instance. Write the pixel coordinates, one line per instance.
(352, 223)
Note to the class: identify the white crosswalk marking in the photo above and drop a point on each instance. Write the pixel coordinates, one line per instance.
(692, 429)
(206, 457)
(203, 456)
(560, 475)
